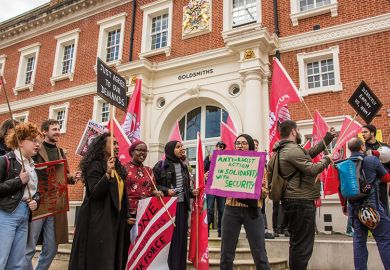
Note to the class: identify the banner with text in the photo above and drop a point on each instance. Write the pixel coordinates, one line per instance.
(92, 130)
(151, 235)
(53, 188)
(236, 174)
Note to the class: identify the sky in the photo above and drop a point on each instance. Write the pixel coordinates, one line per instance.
(12, 8)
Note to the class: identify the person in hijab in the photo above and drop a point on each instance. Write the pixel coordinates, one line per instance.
(138, 184)
(245, 212)
(99, 236)
(173, 179)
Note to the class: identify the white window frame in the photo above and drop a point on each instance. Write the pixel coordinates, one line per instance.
(107, 25)
(54, 109)
(24, 115)
(304, 58)
(2, 62)
(97, 108)
(149, 12)
(228, 15)
(25, 53)
(297, 15)
(65, 39)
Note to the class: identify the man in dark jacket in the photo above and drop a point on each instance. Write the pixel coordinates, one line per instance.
(295, 164)
(54, 229)
(369, 134)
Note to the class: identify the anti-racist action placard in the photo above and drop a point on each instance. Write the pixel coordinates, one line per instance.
(236, 174)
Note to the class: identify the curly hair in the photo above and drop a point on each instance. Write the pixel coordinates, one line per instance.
(21, 132)
(96, 152)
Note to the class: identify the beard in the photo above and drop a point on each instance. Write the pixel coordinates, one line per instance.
(298, 139)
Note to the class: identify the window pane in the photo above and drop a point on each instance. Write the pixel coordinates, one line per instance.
(193, 123)
(61, 118)
(67, 59)
(213, 121)
(244, 11)
(191, 154)
(159, 32)
(29, 69)
(105, 113)
(182, 126)
(225, 115)
(113, 39)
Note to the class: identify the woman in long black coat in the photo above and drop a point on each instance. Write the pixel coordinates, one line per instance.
(98, 242)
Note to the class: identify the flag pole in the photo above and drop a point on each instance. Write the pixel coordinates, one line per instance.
(112, 136)
(2, 84)
(165, 207)
(197, 203)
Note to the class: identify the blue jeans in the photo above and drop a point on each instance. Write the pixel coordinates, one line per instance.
(13, 237)
(49, 247)
(381, 234)
(210, 209)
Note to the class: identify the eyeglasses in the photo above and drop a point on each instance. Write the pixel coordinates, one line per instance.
(35, 140)
(241, 143)
(142, 150)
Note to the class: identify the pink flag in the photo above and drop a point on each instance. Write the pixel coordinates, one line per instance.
(198, 252)
(320, 128)
(228, 136)
(230, 124)
(123, 142)
(175, 135)
(307, 145)
(283, 92)
(349, 129)
(132, 122)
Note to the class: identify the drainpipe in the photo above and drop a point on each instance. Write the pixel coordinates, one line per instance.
(276, 23)
(132, 31)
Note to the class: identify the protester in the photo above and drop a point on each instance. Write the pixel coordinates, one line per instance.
(295, 164)
(18, 193)
(54, 229)
(4, 129)
(369, 134)
(212, 198)
(173, 179)
(243, 212)
(99, 235)
(139, 184)
(374, 172)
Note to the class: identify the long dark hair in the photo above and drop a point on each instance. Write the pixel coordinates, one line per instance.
(96, 152)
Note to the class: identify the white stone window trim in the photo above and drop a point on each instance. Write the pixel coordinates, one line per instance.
(304, 58)
(63, 40)
(54, 109)
(228, 15)
(3, 57)
(97, 107)
(18, 116)
(25, 52)
(149, 12)
(107, 25)
(297, 15)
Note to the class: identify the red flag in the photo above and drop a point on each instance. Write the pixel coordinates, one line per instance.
(198, 252)
(283, 92)
(123, 142)
(175, 135)
(307, 145)
(349, 129)
(132, 122)
(228, 136)
(320, 128)
(331, 185)
(230, 124)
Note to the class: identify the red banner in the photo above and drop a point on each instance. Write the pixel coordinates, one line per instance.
(132, 123)
(228, 136)
(123, 142)
(349, 129)
(198, 252)
(283, 92)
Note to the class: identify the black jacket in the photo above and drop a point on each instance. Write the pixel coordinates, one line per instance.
(11, 187)
(165, 175)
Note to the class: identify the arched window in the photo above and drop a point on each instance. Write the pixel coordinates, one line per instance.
(206, 120)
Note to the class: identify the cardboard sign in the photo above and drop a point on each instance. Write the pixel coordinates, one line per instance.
(92, 130)
(236, 174)
(111, 86)
(365, 103)
(53, 188)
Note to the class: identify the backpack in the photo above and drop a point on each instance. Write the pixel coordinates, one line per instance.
(277, 182)
(353, 184)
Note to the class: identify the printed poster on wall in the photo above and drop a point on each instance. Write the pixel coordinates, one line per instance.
(236, 174)
(53, 188)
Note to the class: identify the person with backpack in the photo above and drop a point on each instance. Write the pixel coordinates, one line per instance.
(293, 180)
(367, 211)
(372, 146)
(19, 194)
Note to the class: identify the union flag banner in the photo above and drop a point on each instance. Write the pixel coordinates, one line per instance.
(53, 188)
(151, 235)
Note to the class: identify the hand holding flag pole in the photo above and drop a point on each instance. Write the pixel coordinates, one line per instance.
(165, 207)
(2, 85)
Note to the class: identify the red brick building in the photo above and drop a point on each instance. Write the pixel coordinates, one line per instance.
(199, 60)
